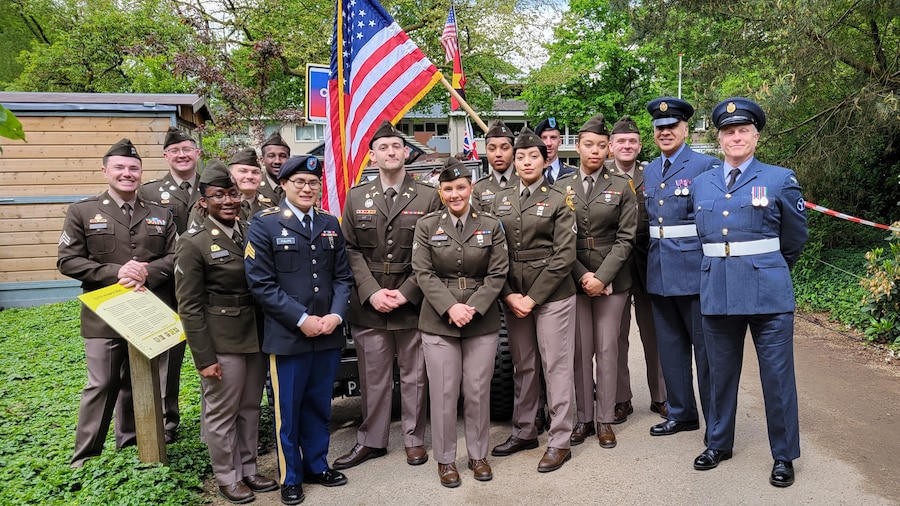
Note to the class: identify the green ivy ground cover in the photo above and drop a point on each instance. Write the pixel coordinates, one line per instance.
(43, 372)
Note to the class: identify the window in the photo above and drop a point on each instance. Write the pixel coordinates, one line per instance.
(310, 132)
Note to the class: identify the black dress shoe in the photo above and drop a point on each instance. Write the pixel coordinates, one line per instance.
(670, 427)
(782, 474)
(292, 494)
(709, 459)
(329, 478)
(513, 445)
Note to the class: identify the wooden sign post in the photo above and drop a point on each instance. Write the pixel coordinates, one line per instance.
(148, 412)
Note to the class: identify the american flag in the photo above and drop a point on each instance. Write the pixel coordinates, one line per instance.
(377, 73)
(469, 148)
(450, 41)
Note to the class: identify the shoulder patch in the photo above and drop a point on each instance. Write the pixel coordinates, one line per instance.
(271, 210)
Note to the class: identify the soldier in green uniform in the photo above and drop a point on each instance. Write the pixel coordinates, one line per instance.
(116, 237)
(460, 262)
(499, 145)
(219, 319)
(606, 217)
(244, 168)
(539, 302)
(275, 151)
(379, 220)
(176, 191)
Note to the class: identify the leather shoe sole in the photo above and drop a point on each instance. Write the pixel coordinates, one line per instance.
(710, 459)
(670, 427)
(357, 456)
(416, 455)
(514, 445)
(782, 474)
(552, 459)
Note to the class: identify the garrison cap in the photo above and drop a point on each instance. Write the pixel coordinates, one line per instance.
(669, 110)
(454, 169)
(276, 140)
(625, 125)
(123, 148)
(528, 139)
(498, 128)
(246, 156)
(386, 129)
(215, 174)
(546, 124)
(595, 125)
(174, 136)
(738, 111)
(307, 164)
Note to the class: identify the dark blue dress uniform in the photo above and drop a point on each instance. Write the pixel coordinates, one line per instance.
(673, 264)
(752, 234)
(294, 271)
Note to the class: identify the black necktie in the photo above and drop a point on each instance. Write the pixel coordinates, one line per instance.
(525, 194)
(237, 237)
(307, 222)
(732, 177)
(186, 188)
(126, 210)
(548, 175)
(666, 166)
(459, 227)
(389, 195)
(502, 181)
(245, 208)
(589, 187)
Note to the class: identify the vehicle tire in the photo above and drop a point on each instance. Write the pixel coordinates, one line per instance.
(502, 389)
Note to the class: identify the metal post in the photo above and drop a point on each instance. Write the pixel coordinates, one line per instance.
(680, 55)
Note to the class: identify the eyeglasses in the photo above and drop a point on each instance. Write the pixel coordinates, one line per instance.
(300, 183)
(220, 197)
(182, 151)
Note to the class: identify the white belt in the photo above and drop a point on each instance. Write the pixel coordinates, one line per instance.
(740, 249)
(673, 231)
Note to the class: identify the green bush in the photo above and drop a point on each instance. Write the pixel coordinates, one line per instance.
(43, 372)
(882, 296)
(827, 280)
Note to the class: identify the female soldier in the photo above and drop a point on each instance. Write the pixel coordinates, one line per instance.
(460, 262)
(219, 318)
(539, 300)
(606, 218)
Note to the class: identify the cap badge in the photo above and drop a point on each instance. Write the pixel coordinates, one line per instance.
(311, 163)
(663, 106)
(552, 122)
(730, 108)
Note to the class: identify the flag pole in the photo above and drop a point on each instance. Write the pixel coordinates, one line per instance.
(465, 105)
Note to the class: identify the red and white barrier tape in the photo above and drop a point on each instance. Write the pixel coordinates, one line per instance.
(829, 212)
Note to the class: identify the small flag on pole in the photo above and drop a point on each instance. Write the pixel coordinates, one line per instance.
(469, 148)
(450, 42)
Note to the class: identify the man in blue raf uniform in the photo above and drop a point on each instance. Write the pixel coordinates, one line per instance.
(297, 269)
(673, 264)
(751, 219)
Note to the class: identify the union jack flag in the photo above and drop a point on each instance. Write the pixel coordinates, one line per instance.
(377, 73)
(469, 147)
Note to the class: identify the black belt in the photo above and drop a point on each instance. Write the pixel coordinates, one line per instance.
(588, 243)
(531, 254)
(463, 283)
(389, 267)
(230, 300)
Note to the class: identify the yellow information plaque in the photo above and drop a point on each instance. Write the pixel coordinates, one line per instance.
(139, 316)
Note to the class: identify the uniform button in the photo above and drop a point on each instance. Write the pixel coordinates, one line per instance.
(390, 227)
(724, 231)
(223, 311)
(662, 185)
(517, 218)
(660, 219)
(459, 248)
(724, 213)
(132, 232)
(661, 201)
(315, 276)
(390, 256)
(134, 246)
(518, 244)
(285, 247)
(390, 242)
(316, 289)
(312, 247)
(134, 258)
(458, 273)
(458, 262)
(727, 195)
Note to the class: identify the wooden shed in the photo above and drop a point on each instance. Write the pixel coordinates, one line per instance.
(67, 134)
